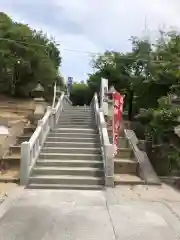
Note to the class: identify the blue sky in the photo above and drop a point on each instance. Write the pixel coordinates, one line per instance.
(93, 25)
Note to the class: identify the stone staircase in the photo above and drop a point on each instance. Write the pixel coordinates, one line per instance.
(71, 156)
(15, 115)
(11, 161)
(126, 168)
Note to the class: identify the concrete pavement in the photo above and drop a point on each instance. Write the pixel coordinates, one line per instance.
(90, 215)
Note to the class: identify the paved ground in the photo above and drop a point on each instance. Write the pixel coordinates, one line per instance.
(123, 213)
(5, 189)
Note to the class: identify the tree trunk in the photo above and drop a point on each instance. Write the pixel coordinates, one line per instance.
(131, 95)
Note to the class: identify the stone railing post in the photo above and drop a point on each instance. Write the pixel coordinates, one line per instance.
(109, 166)
(51, 110)
(108, 153)
(25, 162)
(103, 123)
(53, 118)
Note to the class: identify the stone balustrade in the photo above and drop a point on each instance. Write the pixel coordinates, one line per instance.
(107, 148)
(30, 150)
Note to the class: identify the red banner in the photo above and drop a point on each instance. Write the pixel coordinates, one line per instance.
(117, 117)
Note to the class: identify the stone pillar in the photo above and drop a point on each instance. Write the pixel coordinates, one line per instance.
(109, 168)
(25, 163)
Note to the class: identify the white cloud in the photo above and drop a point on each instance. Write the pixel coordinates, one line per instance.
(91, 25)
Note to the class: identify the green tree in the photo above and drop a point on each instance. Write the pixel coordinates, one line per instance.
(148, 68)
(80, 94)
(26, 57)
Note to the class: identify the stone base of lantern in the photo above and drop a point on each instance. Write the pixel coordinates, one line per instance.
(39, 110)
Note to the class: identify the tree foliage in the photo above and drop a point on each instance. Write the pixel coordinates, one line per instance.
(27, 57)
(148, 68)
(159, 122)
(80, 94)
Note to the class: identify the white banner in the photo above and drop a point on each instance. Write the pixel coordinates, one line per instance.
(104, 96)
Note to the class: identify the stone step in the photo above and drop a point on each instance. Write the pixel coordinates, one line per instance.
(77, 118)
(76, 115)
(29, 129)
(123, 142)
(71, 150)
(24, 138)
(78, 107)
(71, 171)
(72, 126)
(125, 166)
(124, 153)
(72, 144)
(15, 149)
(10, 175)
(126, 124)
(83, 120)
(72, 122)
(66, 179)
(73, 139)
(86, 107)
(74, 130)
(83, 112)
(127, 179)
(12, 159)
(15, 109)
(66, 156)
(76, 112)
(70, 163)
(65, 186)
(72, 135)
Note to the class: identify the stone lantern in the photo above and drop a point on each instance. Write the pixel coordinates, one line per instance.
(40, 104)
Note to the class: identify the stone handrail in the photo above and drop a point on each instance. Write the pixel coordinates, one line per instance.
(146, 172)
(30, 150)
(107, 148)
